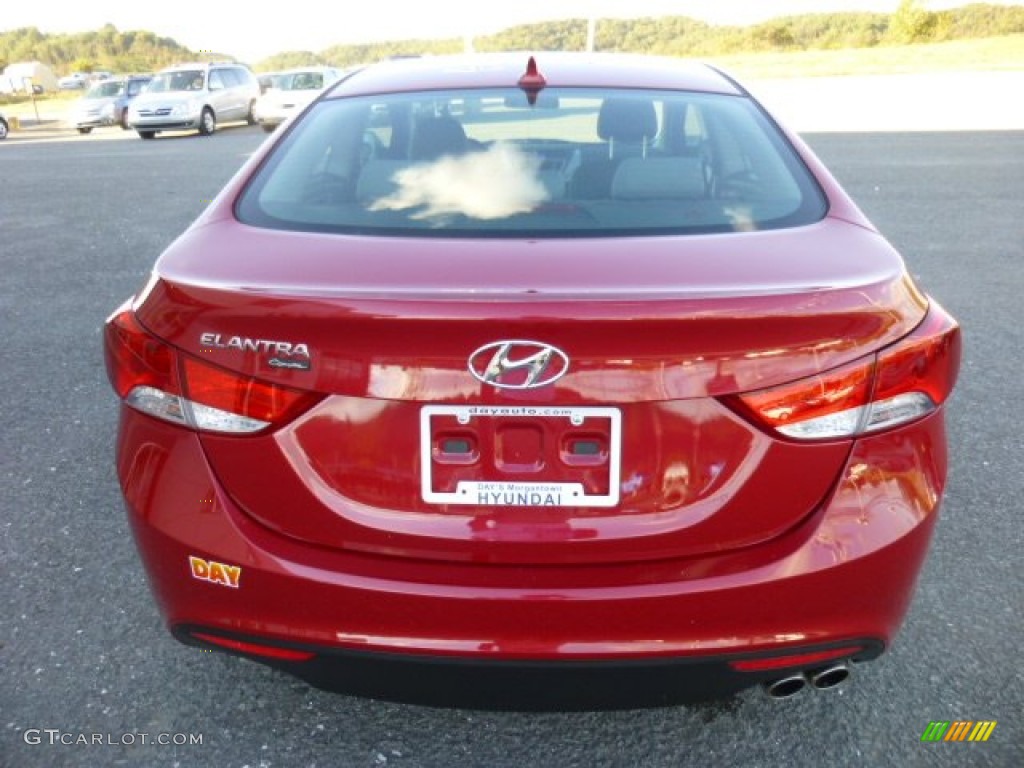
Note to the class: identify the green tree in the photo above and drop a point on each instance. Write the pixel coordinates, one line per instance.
(774, 35)
(911, 23)
(986, 20)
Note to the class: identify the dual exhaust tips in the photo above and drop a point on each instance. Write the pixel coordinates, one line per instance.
(826, 677)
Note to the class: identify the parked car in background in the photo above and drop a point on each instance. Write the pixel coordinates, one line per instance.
(573, 381)
(195, 96)
(5, 127)
(106, 103)
(290, 92)
(266, 80)
(76, 81)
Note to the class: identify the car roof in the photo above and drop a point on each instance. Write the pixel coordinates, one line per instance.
(296, 70)
(202, 65)
(489, 70)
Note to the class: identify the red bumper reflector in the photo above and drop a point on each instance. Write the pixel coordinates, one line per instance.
(794, 660)
(267, 651)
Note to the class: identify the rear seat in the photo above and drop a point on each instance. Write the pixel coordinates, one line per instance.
(377, 179)
(628, 126)
(433, 137)
(659, 178)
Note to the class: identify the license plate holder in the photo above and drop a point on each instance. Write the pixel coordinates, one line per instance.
(498, 492)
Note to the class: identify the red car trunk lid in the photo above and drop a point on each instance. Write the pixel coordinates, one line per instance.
(628, 455)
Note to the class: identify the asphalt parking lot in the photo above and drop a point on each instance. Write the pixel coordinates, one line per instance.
(82, 649)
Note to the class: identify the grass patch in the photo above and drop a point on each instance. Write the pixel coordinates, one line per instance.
(49, 104)
(981, 55)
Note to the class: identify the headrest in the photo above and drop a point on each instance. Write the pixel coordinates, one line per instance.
(625, 119)
(433, 137)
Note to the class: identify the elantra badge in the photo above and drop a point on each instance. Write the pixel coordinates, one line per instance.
(518, 364)
(286, 354)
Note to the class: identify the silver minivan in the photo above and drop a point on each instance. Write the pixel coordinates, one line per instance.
(195, 96)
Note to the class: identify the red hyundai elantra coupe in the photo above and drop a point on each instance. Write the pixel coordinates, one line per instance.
(555, 382)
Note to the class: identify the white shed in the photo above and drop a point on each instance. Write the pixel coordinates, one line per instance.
(22, 75)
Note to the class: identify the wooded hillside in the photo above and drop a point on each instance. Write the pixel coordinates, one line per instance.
(683, 36)
(137, 51)
(104, 49)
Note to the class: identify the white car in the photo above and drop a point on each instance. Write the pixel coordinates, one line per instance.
(76, 81)
(195, 96)
(290, 91)
(4, 127)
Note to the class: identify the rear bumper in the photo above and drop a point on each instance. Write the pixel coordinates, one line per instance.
(522, 685)
(272, 116)
(620, 634)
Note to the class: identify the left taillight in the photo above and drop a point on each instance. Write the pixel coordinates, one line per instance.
(155, 378)
(896, 386)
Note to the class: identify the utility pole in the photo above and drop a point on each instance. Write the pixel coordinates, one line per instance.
(591, 33)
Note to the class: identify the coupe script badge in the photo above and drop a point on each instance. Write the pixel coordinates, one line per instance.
(518, 364)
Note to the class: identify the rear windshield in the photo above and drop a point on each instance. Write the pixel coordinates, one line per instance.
(299, 81)
(576, 162)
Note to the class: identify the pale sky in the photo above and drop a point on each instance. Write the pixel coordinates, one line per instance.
(255, 33)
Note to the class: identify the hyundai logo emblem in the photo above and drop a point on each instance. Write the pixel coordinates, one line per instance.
(518, 364)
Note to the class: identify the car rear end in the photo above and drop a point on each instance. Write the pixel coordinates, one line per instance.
(288, 93)
(608, 397)
(274, 107)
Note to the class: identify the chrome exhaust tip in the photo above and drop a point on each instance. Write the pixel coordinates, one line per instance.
(829, 677)
(785, 687)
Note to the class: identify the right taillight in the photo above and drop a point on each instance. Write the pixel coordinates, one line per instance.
(899, 384)
(155, 378)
